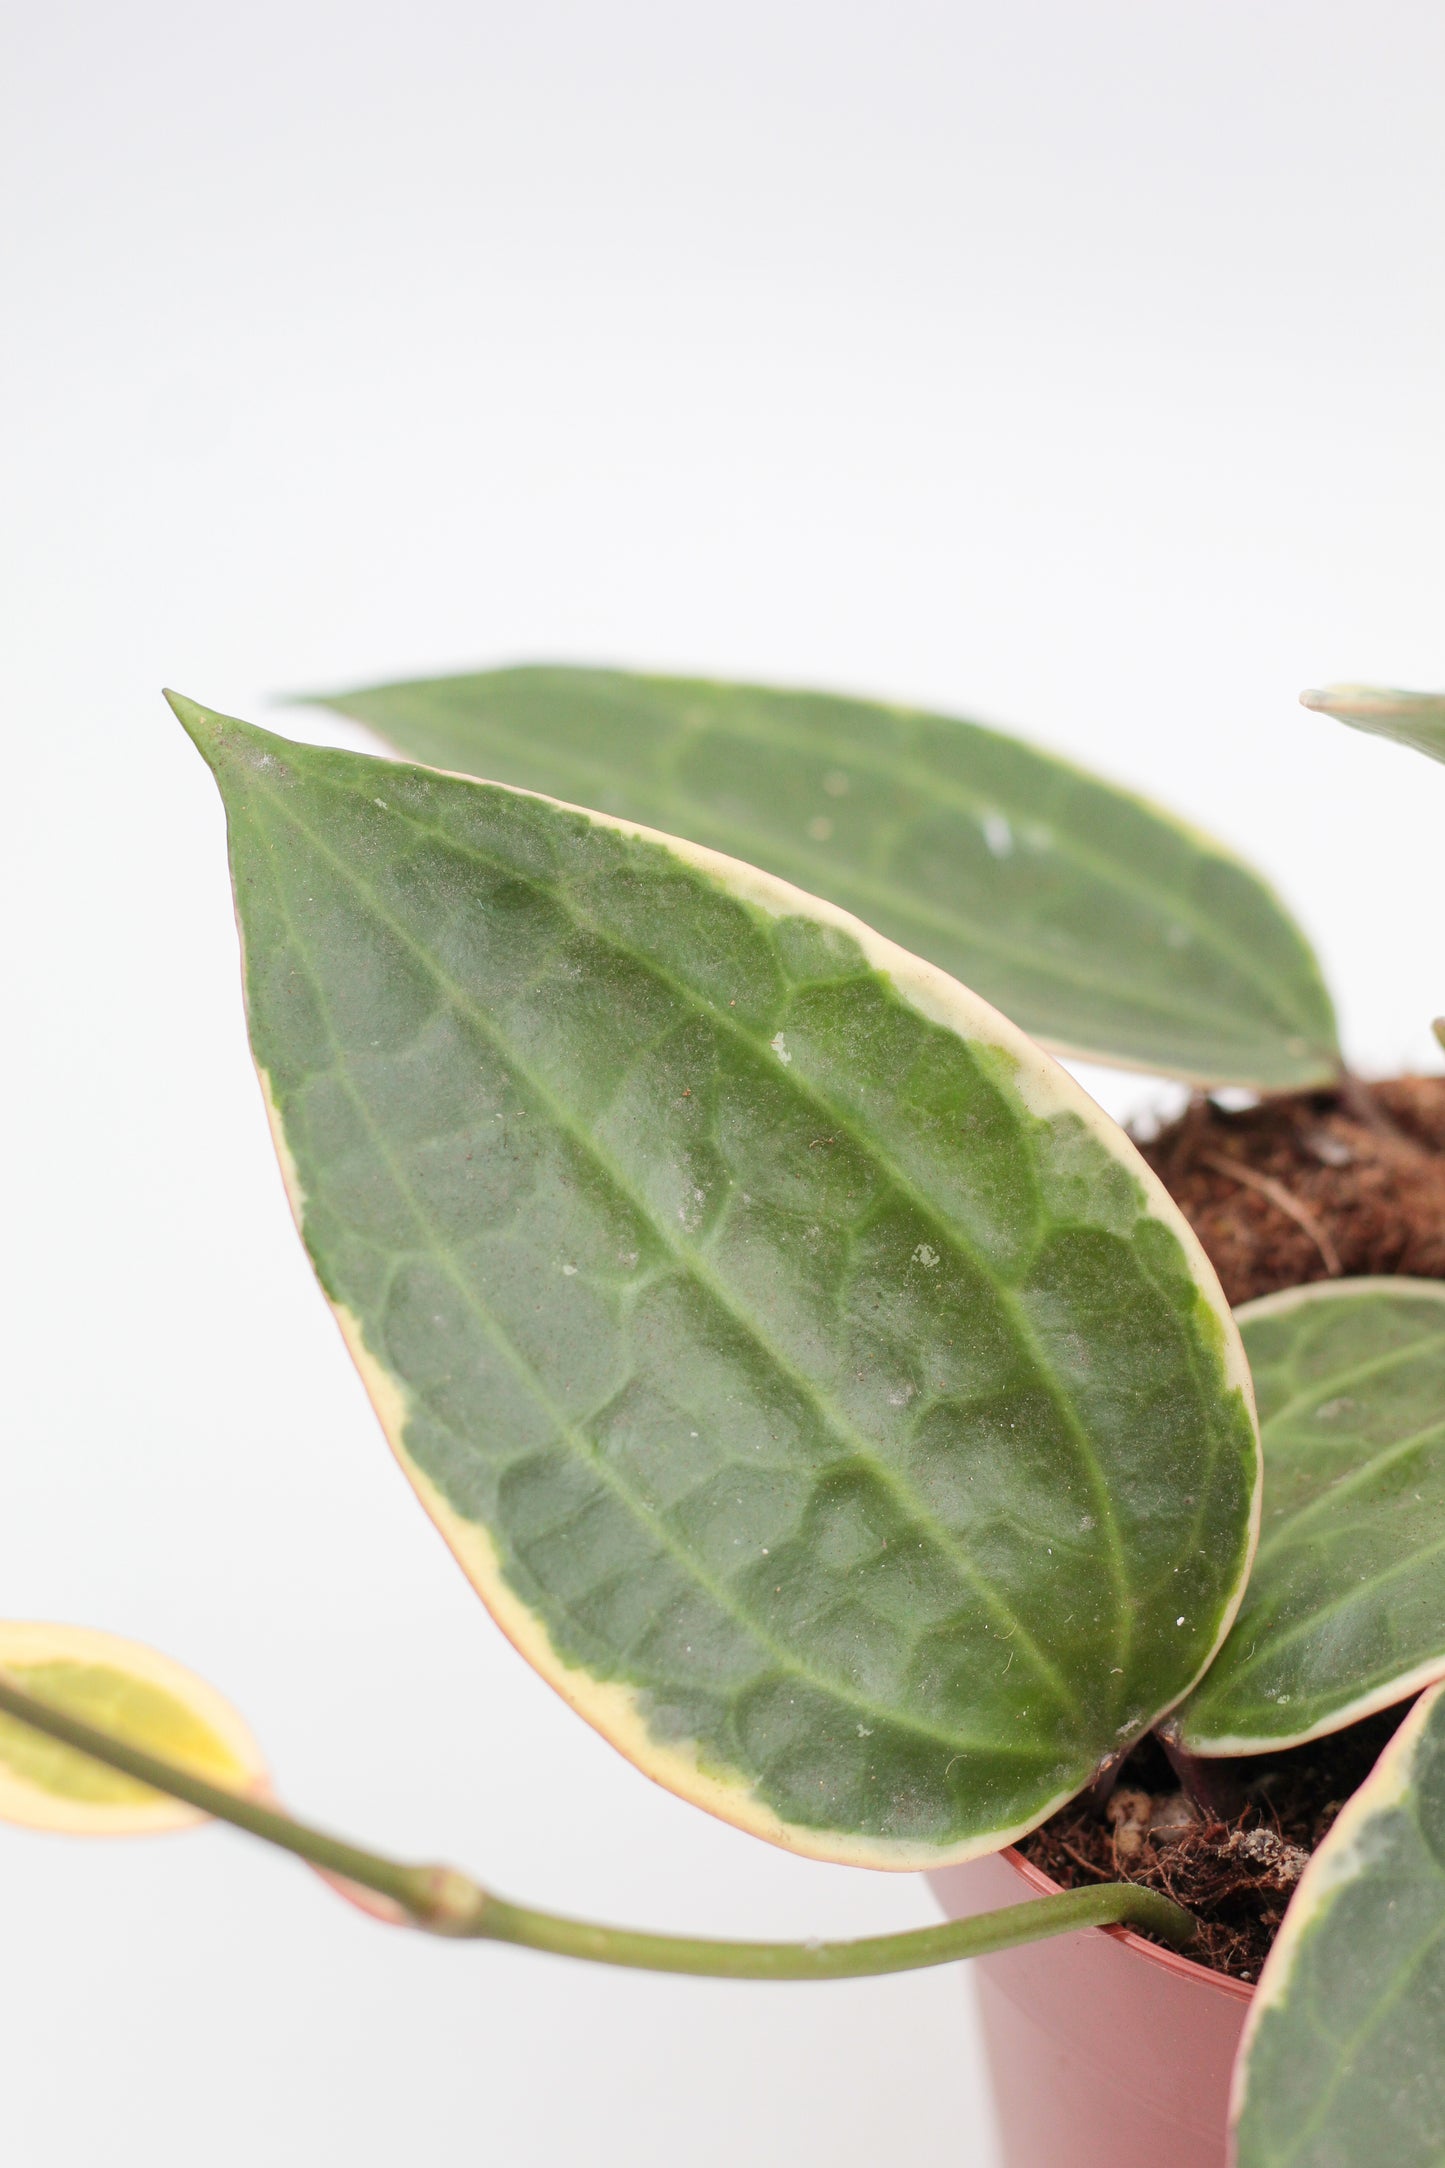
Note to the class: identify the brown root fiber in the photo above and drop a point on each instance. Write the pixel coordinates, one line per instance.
(1323, 1188)
(1235, 1876)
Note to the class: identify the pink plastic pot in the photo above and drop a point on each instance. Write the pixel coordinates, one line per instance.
(1105, 2051)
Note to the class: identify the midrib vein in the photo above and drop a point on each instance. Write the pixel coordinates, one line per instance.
(1287, 1532)
(436, 1249)
(1323, 1390)
(692, 1265)
(695, 1264)
(1362, 1592)
(691, 1260)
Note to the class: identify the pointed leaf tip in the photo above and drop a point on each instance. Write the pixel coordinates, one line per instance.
(223, 741)
(212, 735)
(1413, 719)
(197, 722)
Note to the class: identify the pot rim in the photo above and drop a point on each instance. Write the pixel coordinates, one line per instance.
(1172, 1961)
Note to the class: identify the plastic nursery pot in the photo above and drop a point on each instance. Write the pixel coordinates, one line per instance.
(1105, 2051)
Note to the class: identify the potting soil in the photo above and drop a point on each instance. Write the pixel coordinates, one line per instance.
(1301, 1186)
(1234, 1866)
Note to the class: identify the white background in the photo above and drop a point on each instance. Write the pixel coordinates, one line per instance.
(1078, 367)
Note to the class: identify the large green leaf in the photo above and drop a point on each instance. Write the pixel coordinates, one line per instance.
(1099, 924)
(1414, 719)
(1345, 1610)
(1343, 2060)
(817, 1387)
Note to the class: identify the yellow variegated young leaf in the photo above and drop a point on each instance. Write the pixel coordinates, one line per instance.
(138, 1696)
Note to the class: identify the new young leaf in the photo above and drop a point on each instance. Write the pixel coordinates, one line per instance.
(1342, 1615)
(1099, 924)
(127, 1689)
(817, 1387)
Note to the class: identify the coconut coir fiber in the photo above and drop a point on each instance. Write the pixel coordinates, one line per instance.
(1303, 1186)
(1235, 1865)
(1306, 1187)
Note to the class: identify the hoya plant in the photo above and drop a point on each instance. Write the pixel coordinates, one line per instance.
(816, 1386)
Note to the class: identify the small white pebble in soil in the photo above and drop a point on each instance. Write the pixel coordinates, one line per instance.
(1171, 1816)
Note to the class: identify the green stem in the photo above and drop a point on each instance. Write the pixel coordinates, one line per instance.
(1106, 1904)
(447, 1902)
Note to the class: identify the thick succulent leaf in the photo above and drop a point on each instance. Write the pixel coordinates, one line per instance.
(1097, 923)
(815, 1384)
(1414, 719)
(1343, 2059)
(1344, 1611)
(136, 1694)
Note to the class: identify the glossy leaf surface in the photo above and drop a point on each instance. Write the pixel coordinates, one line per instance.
(1413, 719)
(1097, 923)
(817, 1387)
(133, 1692)
(1343, 2060)
(1344, 1610)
